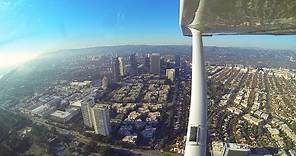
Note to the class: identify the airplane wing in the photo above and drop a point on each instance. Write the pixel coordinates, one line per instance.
(230, 17)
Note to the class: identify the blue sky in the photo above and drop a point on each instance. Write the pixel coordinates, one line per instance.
(30, 26)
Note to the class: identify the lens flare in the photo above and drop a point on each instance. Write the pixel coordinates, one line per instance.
(9, 60)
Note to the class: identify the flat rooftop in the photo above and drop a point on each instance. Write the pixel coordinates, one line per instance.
(241, 147)
(60, 114)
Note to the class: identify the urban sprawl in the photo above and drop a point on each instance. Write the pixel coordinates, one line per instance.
(143, 100)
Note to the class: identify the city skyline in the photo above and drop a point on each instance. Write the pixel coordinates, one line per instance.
(249, 99)
(96, 77)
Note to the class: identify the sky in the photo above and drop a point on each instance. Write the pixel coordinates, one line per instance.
(29, 27)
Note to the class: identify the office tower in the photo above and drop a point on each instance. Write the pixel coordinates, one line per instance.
(128, 69)
(134, 65)
(177, 61)
(121, 66)
(147, 63)
(101, 120)
(86, 106)
(177, 73)
(115, 69)
(155, 63)
(177, 66)
(170, 74)
(105, 82)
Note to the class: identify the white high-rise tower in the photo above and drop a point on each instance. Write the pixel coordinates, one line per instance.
(121, 66)
(86, 106)
(101, 119)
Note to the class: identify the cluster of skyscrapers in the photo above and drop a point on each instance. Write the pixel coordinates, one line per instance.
(119, 68)
(96, 116)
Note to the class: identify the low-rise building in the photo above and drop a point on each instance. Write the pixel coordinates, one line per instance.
(217, 148)
(134, 115)
(285, 128)
(252, 120)
(43, 110)
(64, 116)
(131, 139)
(235, 110)
(232, 149)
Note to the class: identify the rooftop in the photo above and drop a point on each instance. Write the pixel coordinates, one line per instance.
(241, 147)
(60, 114)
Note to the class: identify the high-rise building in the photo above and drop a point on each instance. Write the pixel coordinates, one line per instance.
(177, 73)
(177, 66)
(86, 106)
(155, 63)
(105, 82)
(147, 63)
(121, 66)
(115, 69)
(170, 74)
(101, 119)
(134, 65)
(177, 61)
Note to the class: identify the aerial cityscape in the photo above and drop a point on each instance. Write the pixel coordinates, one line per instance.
(137, 103)
(148, 78)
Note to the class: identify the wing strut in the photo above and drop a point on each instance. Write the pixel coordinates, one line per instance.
(196, 140)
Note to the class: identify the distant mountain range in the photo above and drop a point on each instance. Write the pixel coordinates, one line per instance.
(220, 55)
(76, 64)
(251, 56)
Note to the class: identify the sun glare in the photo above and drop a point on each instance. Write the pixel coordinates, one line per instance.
(9, 60)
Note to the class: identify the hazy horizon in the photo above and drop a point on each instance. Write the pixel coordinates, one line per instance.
(40, 26)
(30, 28)
(11, 61)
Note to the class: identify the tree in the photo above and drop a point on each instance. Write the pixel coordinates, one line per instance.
(104, 150)
(5, 151)
(91, 147)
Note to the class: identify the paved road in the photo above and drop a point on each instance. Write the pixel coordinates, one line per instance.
(86, 140)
